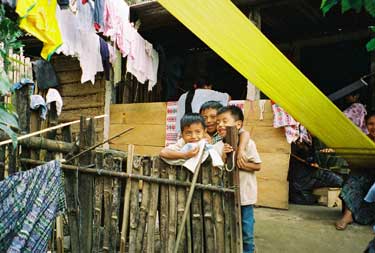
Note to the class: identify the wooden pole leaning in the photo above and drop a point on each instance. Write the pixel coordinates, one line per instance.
(188, 202)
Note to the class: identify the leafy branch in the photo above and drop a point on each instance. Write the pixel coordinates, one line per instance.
(358, 6)
(9, 36)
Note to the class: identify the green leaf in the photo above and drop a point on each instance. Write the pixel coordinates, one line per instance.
(10, 133)
(370, 46)
(356, 5)
(370, 7)
(345, 5)
(7, 117)
(327, 5)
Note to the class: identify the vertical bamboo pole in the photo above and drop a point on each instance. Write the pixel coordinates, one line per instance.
(71, 199)
(134, 207)
(107, 181)
(172, 221)
(59, 234)
(145, 206)
(2, 161)
(232, 139)
(114, 232)
(209, 234)
(181, 200)
(189, 242)
(218, 211)
(125, 216)
(86, 186)
(197, 219)
(153, 207)
(99, 188)
(164, 210)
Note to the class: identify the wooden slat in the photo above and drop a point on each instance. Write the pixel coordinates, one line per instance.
(141, 113)
(269, 139)
(272, 193)
(150, 135)
(274, 166)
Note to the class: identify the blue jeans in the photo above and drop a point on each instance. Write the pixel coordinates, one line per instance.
(247, 213)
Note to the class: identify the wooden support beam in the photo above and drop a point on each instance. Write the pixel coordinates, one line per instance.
(49, 145)
(86, 186)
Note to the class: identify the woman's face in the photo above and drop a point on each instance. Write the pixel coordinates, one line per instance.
(371, 126)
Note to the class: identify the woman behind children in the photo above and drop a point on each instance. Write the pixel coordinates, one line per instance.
(355, 189)
(191, 101)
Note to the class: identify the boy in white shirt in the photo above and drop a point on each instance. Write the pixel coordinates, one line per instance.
(233, 116)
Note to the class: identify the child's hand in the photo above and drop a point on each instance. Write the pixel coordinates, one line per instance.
(241, 157)
(241, 164)
(191, 153)
(227, 148)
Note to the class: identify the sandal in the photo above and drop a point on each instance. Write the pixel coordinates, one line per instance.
(341, 225)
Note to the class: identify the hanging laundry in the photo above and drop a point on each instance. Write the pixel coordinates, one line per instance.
(20, 84)
(83, 44)
(38, 102)
(44, 74)
(153, 78)
(29, 203)
(294, 131)
(38, 17)
(54, 96)
(253, 92)
(99, 14)
(104, 52)
(116, 13)
(85, 15)
(64, 4)
(357, 113)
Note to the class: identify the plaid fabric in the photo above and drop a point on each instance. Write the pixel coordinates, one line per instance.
(29, 203)
(216, 138)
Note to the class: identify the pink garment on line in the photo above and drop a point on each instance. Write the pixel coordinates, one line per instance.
(357, 113)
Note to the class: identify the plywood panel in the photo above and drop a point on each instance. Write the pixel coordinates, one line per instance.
(142, 113)
(252, 114)
(139, 150)
(274, 166)
(272, 193)
(269, 139)
(142, 135)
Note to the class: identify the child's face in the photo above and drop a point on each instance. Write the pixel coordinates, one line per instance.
(371, 126)
(226, 119)
(193, 133)
(209, 116)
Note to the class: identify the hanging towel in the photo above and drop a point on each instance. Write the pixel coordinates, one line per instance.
(54, 96)
(37, 102)
(45, 74)
(29, 203)
(38, 17)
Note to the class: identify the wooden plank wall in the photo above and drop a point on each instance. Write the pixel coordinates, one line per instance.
(149, 137)
(79, 99)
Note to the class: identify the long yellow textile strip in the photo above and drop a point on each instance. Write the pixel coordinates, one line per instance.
(231, 35)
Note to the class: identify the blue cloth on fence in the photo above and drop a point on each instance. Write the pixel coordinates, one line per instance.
(29, 203)
(20, 84)
(38, 102)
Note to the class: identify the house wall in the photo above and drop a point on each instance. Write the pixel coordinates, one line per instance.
(79, 99)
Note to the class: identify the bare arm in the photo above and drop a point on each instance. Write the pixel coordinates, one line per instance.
(241, 154)
(173, 154)
(250, 167)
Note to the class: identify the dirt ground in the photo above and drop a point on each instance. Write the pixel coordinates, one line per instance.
(307, 229)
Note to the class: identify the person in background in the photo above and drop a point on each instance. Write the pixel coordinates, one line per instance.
(356, 188)
(209, 112)
(233, 116)
(193, 129)
(191, 101)
(356, 111)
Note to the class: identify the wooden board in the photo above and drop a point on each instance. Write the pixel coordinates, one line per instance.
(272, 193)
(274, 166)
(148, 135)
(269, 139)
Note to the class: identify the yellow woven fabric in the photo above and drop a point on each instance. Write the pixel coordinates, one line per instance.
(231, 35)
(38, 17)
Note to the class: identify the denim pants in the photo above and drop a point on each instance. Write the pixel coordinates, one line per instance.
(247, 213)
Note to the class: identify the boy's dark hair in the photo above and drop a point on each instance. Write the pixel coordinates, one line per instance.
(200, 82)
(191, 118)
(210, 105)
(235, 111)
(369, 115)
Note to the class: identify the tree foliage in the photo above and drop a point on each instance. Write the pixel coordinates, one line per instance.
(9, 37)
(358, 6)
